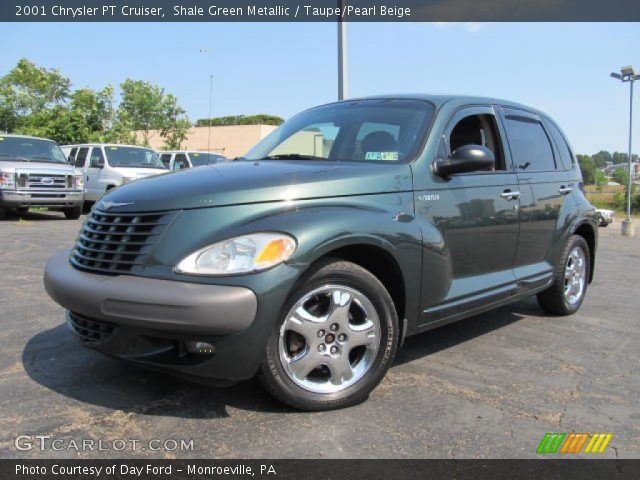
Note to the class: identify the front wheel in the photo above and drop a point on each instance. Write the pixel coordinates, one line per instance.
(566, 294)
(335, 341)
(73, 213)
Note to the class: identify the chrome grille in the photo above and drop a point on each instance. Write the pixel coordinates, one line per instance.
(37, 180)
(90, 330)
(118, 243)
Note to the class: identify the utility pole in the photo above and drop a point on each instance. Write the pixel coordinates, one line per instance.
(343, 74)
(627, 74)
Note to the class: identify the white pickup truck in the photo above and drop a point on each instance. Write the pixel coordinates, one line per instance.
(34, 173)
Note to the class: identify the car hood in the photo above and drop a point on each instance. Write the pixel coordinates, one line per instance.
(243, 182)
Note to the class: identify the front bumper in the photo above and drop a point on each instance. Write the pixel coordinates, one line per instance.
(149, 303)
(148, 321)
(40, 198)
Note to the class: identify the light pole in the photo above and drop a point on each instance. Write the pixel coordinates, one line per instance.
(210, 100)
(627, 74)
(343, 74)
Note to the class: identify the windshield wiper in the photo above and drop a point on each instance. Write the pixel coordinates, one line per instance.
(293, 156)
(14, 158)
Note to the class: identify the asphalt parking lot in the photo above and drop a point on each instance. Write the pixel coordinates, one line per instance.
(487, 387)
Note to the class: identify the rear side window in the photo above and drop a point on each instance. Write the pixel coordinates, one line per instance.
(530, 146)
(561, 144)
(72, 155)
(81, 157)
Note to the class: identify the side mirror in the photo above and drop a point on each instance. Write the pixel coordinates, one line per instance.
(468, 158)
(99, 163)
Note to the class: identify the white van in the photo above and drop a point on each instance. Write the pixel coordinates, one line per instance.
(177, 160)
(106, 166)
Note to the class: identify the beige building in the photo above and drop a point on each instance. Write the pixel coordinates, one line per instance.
(228, 140)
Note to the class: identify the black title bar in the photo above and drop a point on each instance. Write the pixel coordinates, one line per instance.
(318, 10)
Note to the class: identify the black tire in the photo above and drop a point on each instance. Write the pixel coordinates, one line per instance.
(272, 374)
(553, 299)
(22, 210)
(3, 213)
(86, 206)
(73, 213)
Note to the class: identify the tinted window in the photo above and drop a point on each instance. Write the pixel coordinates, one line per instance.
(134, 157)
(359, 130)
(97, 157)
(478, 130)
(529, 144)
(82, 157)
(561, 144)
(72, 154)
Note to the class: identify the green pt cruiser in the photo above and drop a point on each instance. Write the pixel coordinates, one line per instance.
(350, 227)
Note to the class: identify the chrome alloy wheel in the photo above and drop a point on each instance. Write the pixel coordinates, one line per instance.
(575, 276)
(329, 339)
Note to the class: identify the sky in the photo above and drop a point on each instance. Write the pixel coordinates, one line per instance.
(283, 68)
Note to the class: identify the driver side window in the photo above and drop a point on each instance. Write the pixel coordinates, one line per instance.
(478, 130)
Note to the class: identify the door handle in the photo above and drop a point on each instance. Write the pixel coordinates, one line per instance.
(565, 190)
(509, 195)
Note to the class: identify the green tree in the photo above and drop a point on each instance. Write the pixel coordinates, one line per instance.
(600, 180)
(588, 169)
(176, 134)
(29, 90)
(145, 107)
(621, 176)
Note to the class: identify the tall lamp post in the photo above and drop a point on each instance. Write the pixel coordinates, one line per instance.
(343, 76)
(627, 74)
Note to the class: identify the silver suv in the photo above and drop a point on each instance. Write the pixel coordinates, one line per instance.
(34, 173)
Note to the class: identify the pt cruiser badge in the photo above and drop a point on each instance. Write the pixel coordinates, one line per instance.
(292, 264)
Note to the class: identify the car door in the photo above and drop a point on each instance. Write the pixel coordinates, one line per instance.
(476, 215)
(544, 187)
(95, 188)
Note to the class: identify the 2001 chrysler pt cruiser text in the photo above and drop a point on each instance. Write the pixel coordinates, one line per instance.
(350, 227)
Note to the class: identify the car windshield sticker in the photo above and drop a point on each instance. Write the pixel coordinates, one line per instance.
(381, 156)
(196, 154)
(113, 148)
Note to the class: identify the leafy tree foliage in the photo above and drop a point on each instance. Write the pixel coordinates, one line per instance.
(40, 102)
(260, 119)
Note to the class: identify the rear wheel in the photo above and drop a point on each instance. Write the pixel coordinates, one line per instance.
(3, 213)
(22, 210)
(335, 341)
(73, 213)
(566, 294)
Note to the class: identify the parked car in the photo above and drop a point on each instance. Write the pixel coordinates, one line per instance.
(179, 160)
(347, 229)
(605, 217)
(34, 173)
(106, 166)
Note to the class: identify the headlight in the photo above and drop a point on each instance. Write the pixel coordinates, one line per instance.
(7, 180)
(128, 180)
(79, 182)
(245, 254)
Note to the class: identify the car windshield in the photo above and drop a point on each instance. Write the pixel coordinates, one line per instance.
(119, 156)
(198, 159)
(377, 130)
(23, 149)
